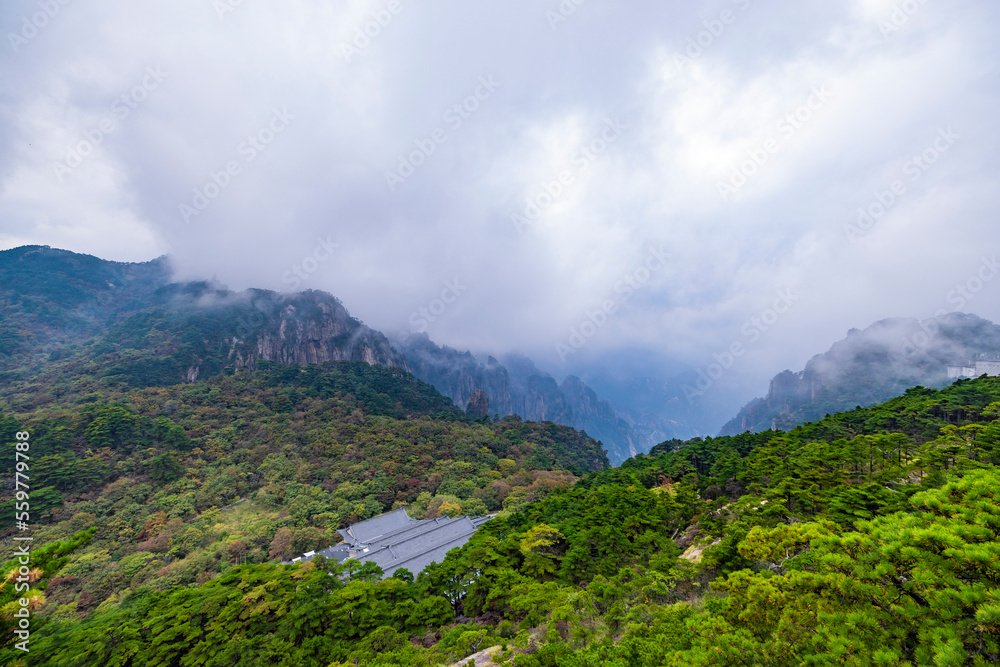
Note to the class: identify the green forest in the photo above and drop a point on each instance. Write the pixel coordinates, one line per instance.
(162, 514)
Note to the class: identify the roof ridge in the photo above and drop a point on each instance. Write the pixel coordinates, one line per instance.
(435, 548)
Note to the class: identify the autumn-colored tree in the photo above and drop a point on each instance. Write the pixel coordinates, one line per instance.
(281, 545)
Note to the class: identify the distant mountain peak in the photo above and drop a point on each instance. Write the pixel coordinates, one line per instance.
(867, 367)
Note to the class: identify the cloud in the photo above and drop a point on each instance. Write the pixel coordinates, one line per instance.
(363, 87)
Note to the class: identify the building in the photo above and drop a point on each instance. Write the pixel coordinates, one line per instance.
(395, 540)
(973, 369)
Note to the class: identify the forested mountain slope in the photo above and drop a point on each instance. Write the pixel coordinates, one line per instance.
(178, 484)
(72, 323)
(868, 537)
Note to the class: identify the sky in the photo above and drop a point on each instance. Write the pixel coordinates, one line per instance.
(734, 182)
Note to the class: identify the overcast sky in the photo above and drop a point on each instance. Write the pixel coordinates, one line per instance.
(685, 167)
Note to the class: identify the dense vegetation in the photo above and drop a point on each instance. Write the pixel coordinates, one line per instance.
(177, 485)
(869, 537)
(51, 298)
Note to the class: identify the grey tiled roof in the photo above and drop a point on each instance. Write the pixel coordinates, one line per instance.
(394, 541)
(370, 529)
(431, 537)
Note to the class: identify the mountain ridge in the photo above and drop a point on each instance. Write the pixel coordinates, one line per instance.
(867, 367)
(139, 328)
(515, 385)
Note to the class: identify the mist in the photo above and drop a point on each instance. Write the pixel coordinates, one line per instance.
(657, 187)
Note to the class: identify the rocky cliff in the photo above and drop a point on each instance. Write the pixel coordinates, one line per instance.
(138, 327)
(457, 374)
(516, 386)
(224, 328)
(599, 420)
(307, 328)
(479, 405)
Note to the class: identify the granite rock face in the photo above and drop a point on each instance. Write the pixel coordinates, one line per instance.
(309, 328)
(478, 405)
(515, 386)
(457, 374)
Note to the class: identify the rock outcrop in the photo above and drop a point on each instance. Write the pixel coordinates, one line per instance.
(478, 405)
(309, 328)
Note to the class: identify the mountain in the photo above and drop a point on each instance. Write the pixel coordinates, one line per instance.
(457, 374)
(516, 385)
(63, 315)
(200, 328)
(71, 320)
(868, 367)
(50, 297)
